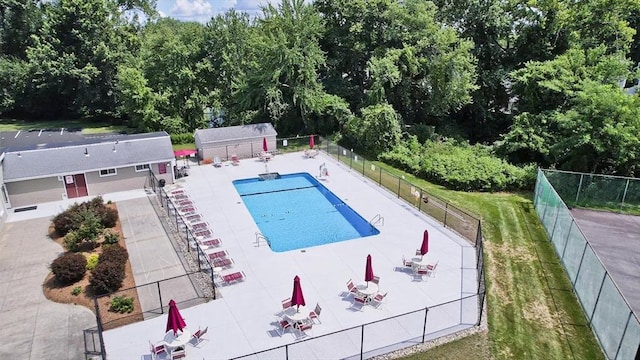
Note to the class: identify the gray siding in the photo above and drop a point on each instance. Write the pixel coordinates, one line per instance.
(246, 149)
(126, 179)
(29, 192)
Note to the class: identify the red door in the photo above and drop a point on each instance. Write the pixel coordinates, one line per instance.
(76, 186)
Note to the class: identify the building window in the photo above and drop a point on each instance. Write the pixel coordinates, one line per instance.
(108, 172)
(144, 167)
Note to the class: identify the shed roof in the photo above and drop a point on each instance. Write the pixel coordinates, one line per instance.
(235, 132)
(30, 162)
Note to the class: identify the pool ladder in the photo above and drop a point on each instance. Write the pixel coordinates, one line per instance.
(378, 219)
(259, 237)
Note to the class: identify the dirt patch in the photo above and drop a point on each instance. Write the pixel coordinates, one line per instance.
(539, 313)
(63, 293)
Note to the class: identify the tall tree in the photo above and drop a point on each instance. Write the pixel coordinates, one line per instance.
(384, 51)
(73, 59)
(283, 82)
(506, 35)
(172, 63)
(229, 50)
(557, 107)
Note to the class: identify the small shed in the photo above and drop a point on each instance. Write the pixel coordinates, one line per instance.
(245, 141)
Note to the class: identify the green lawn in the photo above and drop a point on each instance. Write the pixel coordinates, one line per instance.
(189, 146)
(88, 127)
(532, 312)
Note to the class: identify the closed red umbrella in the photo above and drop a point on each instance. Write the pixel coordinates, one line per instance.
(425, 243)
(311, 142)
(175, 321)
(297, 298)
(264, 145)
(368, 271)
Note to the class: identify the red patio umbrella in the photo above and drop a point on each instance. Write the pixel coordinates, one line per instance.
(297, 298)
(184, 152)
(264, 145)
(368, 271)
(175, 321)
(425, 243)
(311, 142)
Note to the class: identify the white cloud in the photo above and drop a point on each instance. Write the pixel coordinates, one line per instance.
(192, 10)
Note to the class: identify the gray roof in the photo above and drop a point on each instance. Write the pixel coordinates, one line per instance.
(47, 160)
(235, 132)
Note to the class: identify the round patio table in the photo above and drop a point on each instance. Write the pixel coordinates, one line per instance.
(368, 290)
(181, 338)
(298, 315)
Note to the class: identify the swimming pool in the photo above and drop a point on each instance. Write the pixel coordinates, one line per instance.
(296, 211)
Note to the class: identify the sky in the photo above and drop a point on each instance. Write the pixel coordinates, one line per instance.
(203, 10)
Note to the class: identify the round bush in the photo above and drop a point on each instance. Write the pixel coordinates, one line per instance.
(114, 253)
(72, 241)
(68, 220)
(106, 277)
(111, 237)
(92, 261)
(69, 268)
(108, 216)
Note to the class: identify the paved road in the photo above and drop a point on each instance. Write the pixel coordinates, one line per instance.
(32, 326)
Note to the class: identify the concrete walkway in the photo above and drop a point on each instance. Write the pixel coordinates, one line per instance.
(152, 256)
(34, 327)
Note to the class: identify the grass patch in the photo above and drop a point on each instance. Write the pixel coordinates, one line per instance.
(189, 146)
(470, 347)
(88, 127)
(532, 311)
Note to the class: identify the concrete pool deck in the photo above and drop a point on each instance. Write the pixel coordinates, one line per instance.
(243, 320)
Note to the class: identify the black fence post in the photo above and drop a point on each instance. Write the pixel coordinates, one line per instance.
(364, 161)
(362, 343)
(399, 179)
(99, 323)
(380, 176)
(160, 297)
(424, 327)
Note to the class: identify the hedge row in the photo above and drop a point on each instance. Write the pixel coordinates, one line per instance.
(459, 166)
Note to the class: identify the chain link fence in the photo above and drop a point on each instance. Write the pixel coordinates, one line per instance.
(596, 191)
(609, 315)
(403, 330)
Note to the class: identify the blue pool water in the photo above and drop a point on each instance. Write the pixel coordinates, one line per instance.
(296, 211)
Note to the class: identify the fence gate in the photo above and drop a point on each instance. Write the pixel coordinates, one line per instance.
(92, 346)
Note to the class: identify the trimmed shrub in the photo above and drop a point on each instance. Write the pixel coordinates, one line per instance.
(92, 261)
(90, 227)
(69, 268)
(68, 220)
(108, 216)
(76, 291)
(111, 237)
(121, 304)
(114, 253)
(106, 277)
(72, 241)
